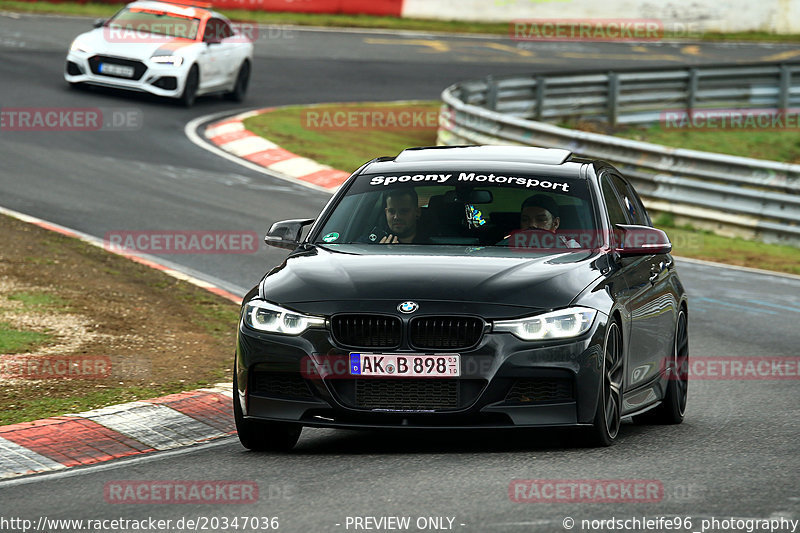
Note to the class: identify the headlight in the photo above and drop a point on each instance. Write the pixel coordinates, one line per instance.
(561, 324)
(175, 61)
(265, 316)
(79, 47)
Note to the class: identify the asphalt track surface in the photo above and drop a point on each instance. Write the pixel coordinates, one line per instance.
(736, 454)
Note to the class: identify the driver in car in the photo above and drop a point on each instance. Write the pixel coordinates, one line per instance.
(402, 217)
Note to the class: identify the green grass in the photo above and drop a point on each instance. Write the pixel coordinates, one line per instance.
(66, 8)
(217, 317)
(773, 145)
(17, 341)
(34, 407)
(342, 149)
(710, 247)
(357, 21)
(39, 300)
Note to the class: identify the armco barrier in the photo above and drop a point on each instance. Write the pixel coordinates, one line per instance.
(732, 195)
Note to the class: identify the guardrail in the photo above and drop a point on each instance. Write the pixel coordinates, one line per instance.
(732, 195)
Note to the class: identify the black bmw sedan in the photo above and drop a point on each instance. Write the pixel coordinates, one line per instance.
(466, 287)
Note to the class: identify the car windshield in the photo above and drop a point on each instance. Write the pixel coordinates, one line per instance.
(135, 21)
(517, 211)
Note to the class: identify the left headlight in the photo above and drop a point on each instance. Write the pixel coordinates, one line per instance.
(173, 60)
(561, 324)
(265, 316)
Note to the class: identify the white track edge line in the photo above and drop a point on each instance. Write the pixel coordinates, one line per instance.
(117, 463)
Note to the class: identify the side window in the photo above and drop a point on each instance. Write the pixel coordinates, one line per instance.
(616, 210)
(630, 201)
(639, 206)
(227, 31)
(215, 31)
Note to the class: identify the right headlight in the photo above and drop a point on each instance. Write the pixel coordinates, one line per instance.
(271, 318)
(79, 47)
(561, 324)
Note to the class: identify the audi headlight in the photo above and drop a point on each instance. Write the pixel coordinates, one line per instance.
(79, 47)
(175, 61)
(561, 324)
(265, 316)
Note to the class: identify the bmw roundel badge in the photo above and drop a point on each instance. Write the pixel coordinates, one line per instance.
(407, 307)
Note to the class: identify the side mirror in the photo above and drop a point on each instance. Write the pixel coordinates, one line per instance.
(286, 233)
(98, 23)
(640, 240)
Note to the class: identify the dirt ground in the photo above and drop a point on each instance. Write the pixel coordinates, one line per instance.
(134, 331)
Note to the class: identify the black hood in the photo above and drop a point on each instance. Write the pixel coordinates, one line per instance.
(393, 274)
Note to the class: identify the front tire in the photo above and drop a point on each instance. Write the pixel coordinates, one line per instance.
(242, 81)
(263, 436)
(673, 407)
(608, 416)
(189, 94)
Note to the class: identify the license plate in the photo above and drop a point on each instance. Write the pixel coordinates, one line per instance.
(405, 365)
(117, 70)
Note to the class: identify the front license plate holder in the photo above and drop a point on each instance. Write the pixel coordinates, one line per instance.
(405, 365)
(122, 71)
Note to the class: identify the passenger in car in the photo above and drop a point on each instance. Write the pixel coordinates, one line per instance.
(541, 212)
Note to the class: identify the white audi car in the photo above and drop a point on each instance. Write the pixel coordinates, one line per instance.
(167, 49)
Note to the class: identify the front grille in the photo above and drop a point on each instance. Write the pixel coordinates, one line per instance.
(407, 394)
(280, 385)
(139, 68)
(445, 332)
(539, 390)
(367, 331)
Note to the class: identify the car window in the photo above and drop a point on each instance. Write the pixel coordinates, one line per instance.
(216, 30)
(642, 217)
(461, 208)
(617, 212)
(136, 23)
(630, 201)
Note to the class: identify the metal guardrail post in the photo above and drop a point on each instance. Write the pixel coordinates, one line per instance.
(691, 90)
(785, 85)
(491, 93)
(613, 98)
(540, 84)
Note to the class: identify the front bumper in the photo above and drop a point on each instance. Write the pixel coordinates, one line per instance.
(504, 382)
(160, 80)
